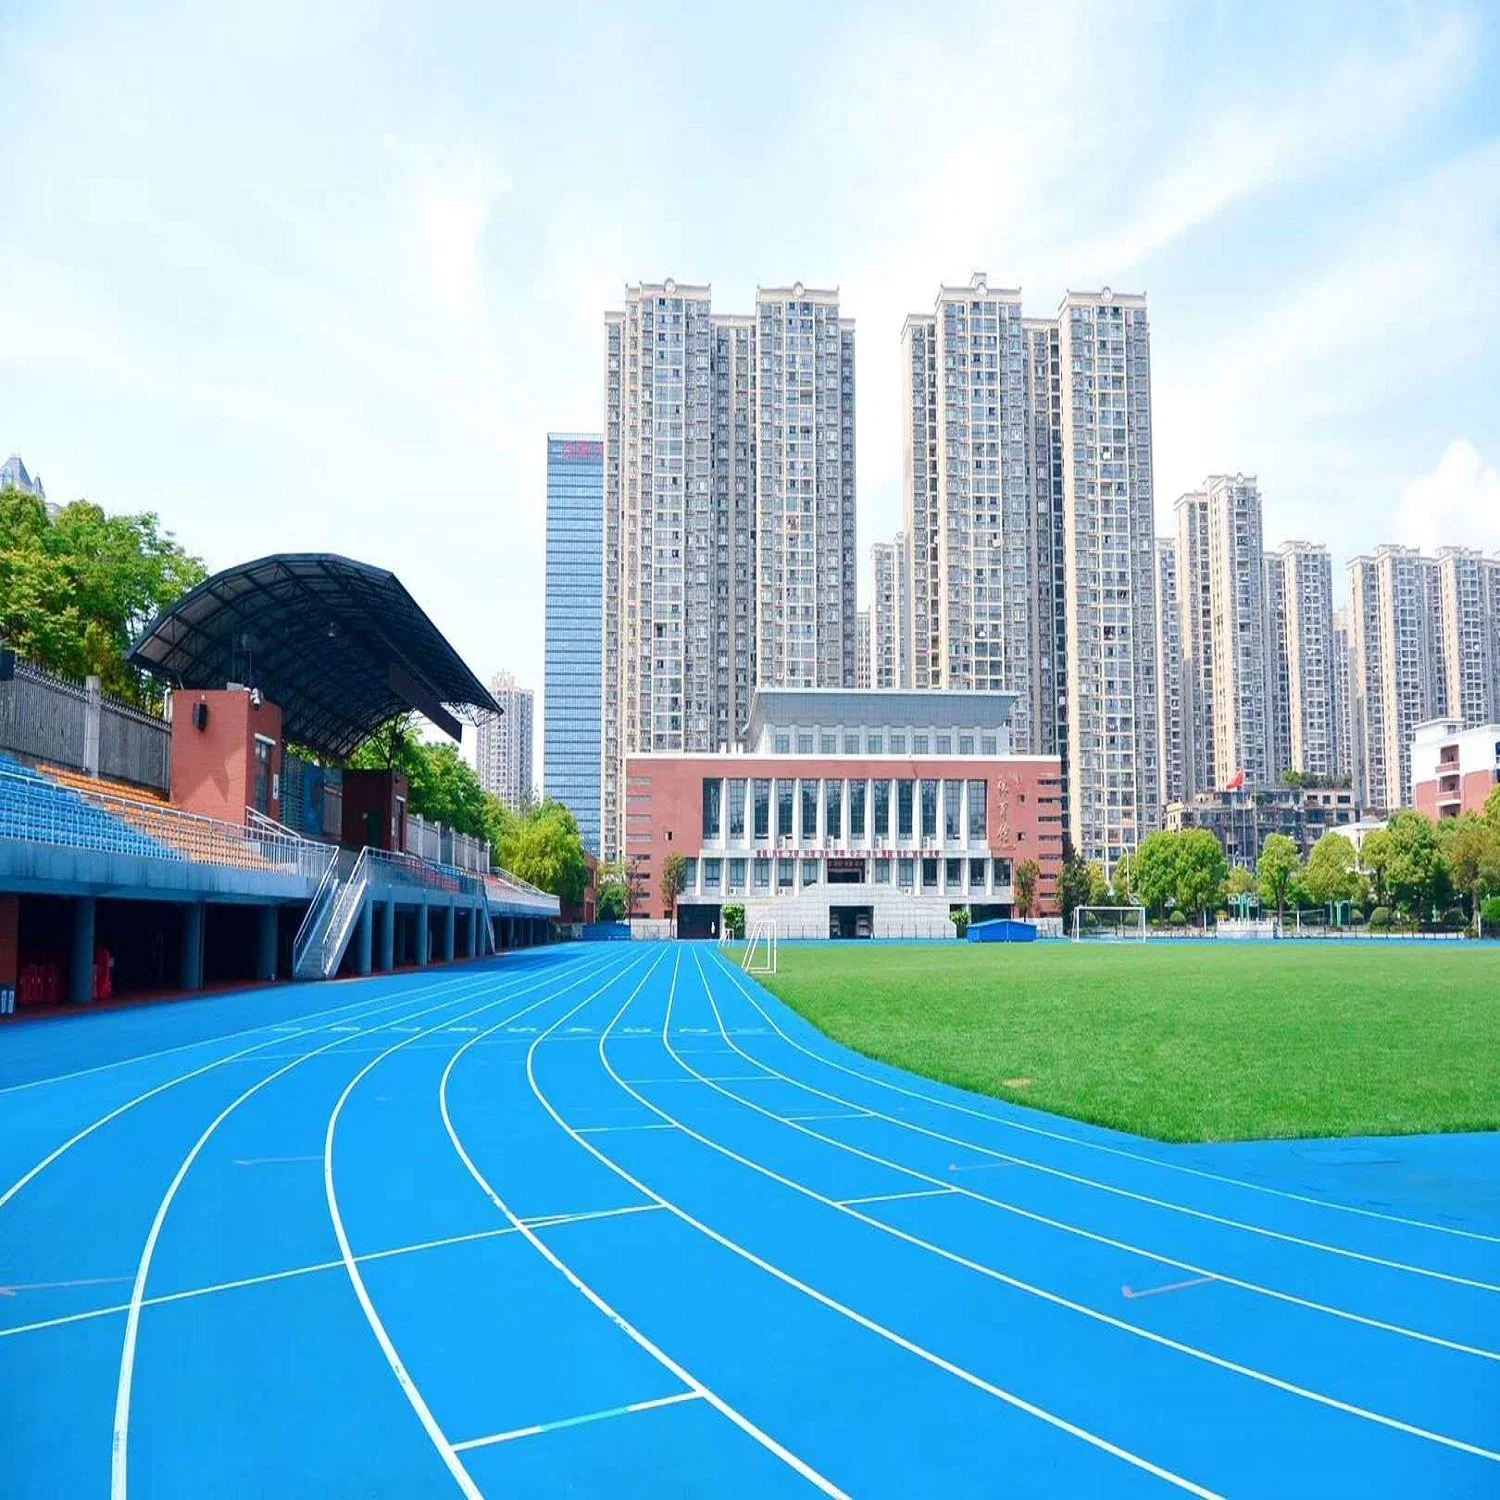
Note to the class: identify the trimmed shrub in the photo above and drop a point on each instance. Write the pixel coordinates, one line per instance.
(1490, 912)
(1381, 917)
(734, 920)
(1177, 919)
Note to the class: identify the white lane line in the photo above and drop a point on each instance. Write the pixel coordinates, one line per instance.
(578, 1284)
(928, 1356)
(162, 1299)
(938, 1192)
(435, 1433)
(59, 1286)
(613, 1129)
(1106, 1187)
(579, 1421)
(1058, 1300)
(553, 1221)
(1290, 1298)
(119, 1459)
(1091, 1145)
(1131, 1295)
(368, 1007)
(273, 1161)
(847, 1114)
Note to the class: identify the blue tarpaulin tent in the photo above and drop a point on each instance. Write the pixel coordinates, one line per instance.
(1003, 930)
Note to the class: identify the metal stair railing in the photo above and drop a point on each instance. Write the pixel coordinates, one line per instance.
(315, 918)
(341, 919)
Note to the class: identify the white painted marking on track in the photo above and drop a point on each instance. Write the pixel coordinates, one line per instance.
(553, 1221)
(59, 1286)
(574, 1280)
(580, 1421)
(1131, 1295)
(613, 1129)
(272, 1161)
(897, 1197)
(1082, 1181)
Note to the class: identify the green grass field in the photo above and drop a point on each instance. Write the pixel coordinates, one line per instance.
(1180, 1041)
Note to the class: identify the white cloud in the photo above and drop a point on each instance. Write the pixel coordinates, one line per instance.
(1457, 504)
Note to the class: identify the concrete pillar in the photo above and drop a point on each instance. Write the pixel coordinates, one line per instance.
(388, 937)
(190, 976)
(363, 937)
(80, 988)
(449, 918)
(424, 946)
(93, 712)
(265, 945)
(476, 915)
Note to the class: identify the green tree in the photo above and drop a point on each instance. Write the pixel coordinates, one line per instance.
(1330, 870)
(613, 885)
(1074, 885)
(1375, 859)
(673, 870)
(1415, 874)
(1156, 870)
(1294, 779)
(1098, 885)
(76, 589)
(1471, 849)
(1026, 875)
(1202, 870)
(542, 845)
(1491, 813)
(1278, 867)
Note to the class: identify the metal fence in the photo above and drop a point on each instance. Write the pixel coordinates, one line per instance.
(60, 722)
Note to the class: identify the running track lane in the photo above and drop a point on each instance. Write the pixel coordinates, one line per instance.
(614, 1221)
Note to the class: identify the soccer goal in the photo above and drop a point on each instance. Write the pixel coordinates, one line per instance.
(1125, 924)
(760, 950)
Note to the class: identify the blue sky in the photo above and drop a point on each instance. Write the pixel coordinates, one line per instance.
(323, 276)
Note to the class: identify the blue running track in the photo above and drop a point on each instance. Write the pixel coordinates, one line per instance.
(612, 1221)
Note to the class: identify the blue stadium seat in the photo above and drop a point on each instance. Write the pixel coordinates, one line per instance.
(37, 810)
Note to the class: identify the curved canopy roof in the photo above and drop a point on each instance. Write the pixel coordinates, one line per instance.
(339, 646)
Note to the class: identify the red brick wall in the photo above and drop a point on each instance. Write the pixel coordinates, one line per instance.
(374, 792)
(664, 805)
(1473, 789)
(213, 769)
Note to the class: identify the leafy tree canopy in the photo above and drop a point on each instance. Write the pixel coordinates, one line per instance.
(76, 589)
(1330, 870)
(1202, 870)
(1415, 874)
(1279, 866)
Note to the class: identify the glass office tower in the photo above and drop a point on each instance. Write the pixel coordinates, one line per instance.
(571, 707)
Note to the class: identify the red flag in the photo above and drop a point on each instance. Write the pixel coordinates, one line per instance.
(1236, 782)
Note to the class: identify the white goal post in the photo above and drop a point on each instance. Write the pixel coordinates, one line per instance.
(1126, 924)
(760, 950)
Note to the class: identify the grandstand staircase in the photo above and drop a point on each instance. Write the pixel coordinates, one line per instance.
(318, 949)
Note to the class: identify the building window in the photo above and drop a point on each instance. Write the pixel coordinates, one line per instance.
(945, 744)
(786, 874)
(876, 744)
(762, 792)
(898, 744)
(929, 874)
(783, 743)
(966, 744)
(905, 871)
(762, 874)
(953, 874)
(737, 809)
(905, 790)
(713, 870)
(828, 744)
(1002, 873)
(833, 811)
(953, 813)
(851, 744)
(689, 882)
(809, 872)
(978, 799)
(736, 877)
(713, 795)
(783, 809)
(929, 808)
(919, 744)
(882, 869)
(804, 742)
(987, 744)
(809, 810)
(977, 873)
(856, 810)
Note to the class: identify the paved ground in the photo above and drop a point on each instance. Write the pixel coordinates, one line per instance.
(611, 1221)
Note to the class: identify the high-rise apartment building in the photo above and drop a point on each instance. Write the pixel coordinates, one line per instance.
(862, 661)
(1343, 703)
(1171, 724)
(887, 651)
(503, 743)
(1112, 772)
(1468, 637)
(1278, 671)
(729, 495)
(1303, 574)
(1028, 472)
(1195, 598)
(1396, 655)
(574, 627)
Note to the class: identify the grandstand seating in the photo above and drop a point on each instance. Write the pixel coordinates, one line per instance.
(36, 808)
